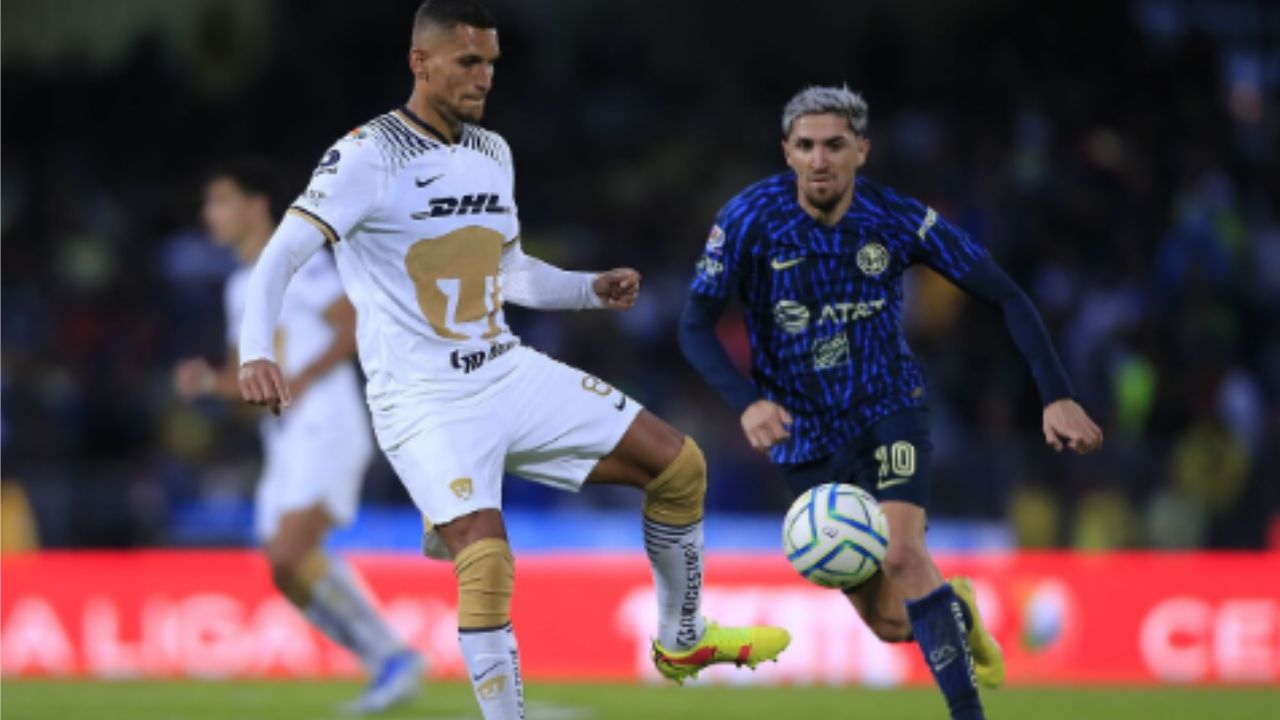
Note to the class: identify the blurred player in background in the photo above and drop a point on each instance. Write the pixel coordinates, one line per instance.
(419, 205)
(316, 456)
(816, 256)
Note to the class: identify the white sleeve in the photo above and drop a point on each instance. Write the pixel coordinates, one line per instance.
(318, 283)
(530, 282)
(345, 187)
(294, 242)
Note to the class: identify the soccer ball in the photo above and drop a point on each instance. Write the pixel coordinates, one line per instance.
(835, 535)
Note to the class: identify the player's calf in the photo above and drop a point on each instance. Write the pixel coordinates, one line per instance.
(936, 614)
(486, 579)
(673, 540)
(880, 607)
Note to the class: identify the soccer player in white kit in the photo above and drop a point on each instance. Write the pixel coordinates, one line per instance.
(316, 456)
(419, 205)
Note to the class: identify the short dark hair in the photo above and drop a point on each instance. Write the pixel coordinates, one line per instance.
(254, 176)
(451, 13)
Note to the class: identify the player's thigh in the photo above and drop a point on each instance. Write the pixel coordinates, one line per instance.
(649, 446)
(452, 465)
(566, 422)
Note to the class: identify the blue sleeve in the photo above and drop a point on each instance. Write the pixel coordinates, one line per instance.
(719, 270)
(933, 240)
(986, 280)
(704, 352)
(721, 264)
(958, 257)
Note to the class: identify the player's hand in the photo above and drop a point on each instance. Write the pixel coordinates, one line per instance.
(1066, 424)
(618, 288)
(193, 378)
(765, 424)
(262, 384)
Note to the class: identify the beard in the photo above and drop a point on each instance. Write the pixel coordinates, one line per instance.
(826, 202)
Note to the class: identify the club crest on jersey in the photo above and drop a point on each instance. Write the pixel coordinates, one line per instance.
(873, 259)
(486, 203)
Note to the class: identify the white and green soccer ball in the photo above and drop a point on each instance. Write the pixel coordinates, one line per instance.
(835, 535)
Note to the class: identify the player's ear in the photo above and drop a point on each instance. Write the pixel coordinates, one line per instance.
(864, 149)
(418, 63)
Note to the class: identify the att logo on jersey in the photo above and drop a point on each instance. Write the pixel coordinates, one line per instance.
(466, 205)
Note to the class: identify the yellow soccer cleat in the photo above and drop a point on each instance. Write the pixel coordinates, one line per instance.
(988, 658)
(748, 646)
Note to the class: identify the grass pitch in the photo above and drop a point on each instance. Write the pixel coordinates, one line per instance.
(186, 700)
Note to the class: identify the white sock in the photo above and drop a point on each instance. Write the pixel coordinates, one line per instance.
(493, 662)
(675, 554)
(345, 614)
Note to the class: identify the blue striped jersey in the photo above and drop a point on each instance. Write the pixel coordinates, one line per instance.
(823, 305)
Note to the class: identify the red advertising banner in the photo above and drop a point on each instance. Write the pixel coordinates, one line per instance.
(1062, 618)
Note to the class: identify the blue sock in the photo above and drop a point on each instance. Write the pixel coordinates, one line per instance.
(938, 621)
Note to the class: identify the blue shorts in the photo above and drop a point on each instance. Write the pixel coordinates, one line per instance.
(890, 460)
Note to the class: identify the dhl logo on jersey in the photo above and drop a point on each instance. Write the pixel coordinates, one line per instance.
(480, 203)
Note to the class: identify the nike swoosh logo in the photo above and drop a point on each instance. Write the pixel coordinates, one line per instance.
(621, 404)
(784, 264)
(890, 482)
(423, 183)
(491, 668)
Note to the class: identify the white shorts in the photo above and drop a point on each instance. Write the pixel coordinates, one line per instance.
(545, 421)
(313, 459)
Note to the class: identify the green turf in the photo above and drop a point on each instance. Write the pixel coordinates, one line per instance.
(28, 700)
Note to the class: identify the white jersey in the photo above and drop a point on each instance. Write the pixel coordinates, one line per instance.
(419, 226)
(302, 335)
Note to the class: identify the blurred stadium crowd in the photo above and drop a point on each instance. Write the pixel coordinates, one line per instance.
(1119, 159)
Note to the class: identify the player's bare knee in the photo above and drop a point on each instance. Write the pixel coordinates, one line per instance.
(905, 560)
(486, 579)
(675, 496)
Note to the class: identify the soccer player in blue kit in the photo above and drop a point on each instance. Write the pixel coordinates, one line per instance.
(816, 256)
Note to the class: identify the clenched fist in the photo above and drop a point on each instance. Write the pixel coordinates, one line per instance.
(617, 288)
(765, 424)
(262, 384)
(1066, 424)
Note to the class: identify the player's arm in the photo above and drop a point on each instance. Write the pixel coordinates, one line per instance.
(955, 255)
(719, 270)
(294, 242)
(536, 284)
(346, 186)
(1064, 421)
(533, 283)
(764, 422)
